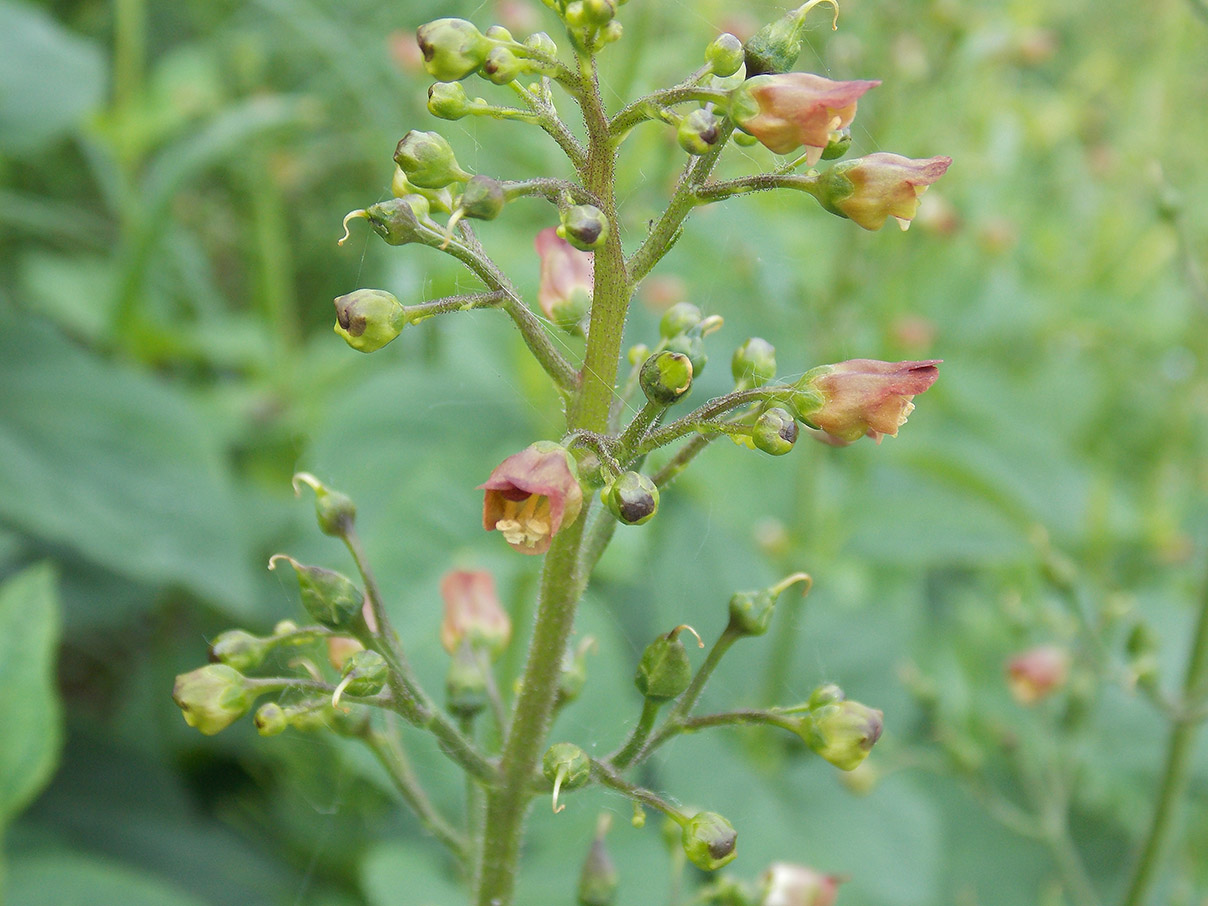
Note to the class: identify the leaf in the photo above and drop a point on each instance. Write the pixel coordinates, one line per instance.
(75, 879)
(29, 705)
(51, 78)
(391, 868)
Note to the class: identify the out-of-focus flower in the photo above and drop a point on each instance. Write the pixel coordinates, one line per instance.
(564, 292)
(473, 613)
(531, 496)
(843, 732)
(1037, 673)
(212, 697)
(870, 190)
(786, 884)
(795, 109)
(867, 397)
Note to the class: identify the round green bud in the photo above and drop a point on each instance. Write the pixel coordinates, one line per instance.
(709, 841)
(542, 45)
(238, 649)
(585, 227)
(842, 732)
(776, 46)
(826, 694)
(611, 33)
(285, 627)
(698, 132)
(368, 319)
(751, 611)
(775, 432)
(599, 13)
(212, 697)
(428, 160)
(693, 347)
(754, 363)
(638, 353)
(664, 671)
(465, 684)
(335, 512)
(270, 719)
(502, 66)
(365, 673)
(573, 677)
(838, 144)
(575, 15)
(329, 597)
(632, 498)
(452, 48)
(568, 760)
(725, 55)
(499, 33)
(666, 376)
(449, 101)
(679, 319)
(399, 220)
(482, 198)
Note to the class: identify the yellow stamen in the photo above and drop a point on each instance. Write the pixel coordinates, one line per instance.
(525, 522)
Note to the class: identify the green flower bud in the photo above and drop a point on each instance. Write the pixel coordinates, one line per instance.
(698, 132)
(666, 376)
(482, 198)
(575, 15)
(611, 32)
(679, 319)
(465, 684)
(422, 201)
(334, 511)
(598, 879)
(751, 611)
(709, 841)
(775, 432)
(632, 498)
(542, 45)
(239, 650)
(639, 352)
(212, 697)
(270, 719)
(503, 66)
(664, 670)
(725, 55)
(365, 673)
(837, 146)
(826, 694)
(843, 732)
(285, 627)
(754, 363)
(585, 227)
(499, 33)
(397, 220)
(452, 48)
(692, 346)
(776, 46)
(599, 13)
(573, 677)
(449, 101)
(368, 319)
(428, 160)
(329, 597)
(566, 766)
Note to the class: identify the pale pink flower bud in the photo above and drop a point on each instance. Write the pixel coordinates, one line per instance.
(866, 397)
(1037, 673)
(531, 496)
(790, 110)
(872, 189)
(473, 613)
(564, 292)
(786, 884)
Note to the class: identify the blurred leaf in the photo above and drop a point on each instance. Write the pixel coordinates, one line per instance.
(117, 466)
(394, 867)
(49, 78)
(29, 703)
(74, 879)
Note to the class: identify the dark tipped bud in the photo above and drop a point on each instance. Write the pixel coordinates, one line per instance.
(465, 683)
(329, 597)
(585, 227)
(399, 220)
(754, 363)
(692, 346)
(666, 376)
(452, 48)
(775, 432)
(598, 878)
(698, 132)
(709, 841)
(239, 650)
(837, 146)
(679, 319)
(270, 719)
(725, 55)
(843, 732)
(449, 101)
(334, 511)
(212, 697)
(664, 670)
(365, 673)
(632, 498)
(776, 46)
(428, 160)
(502, 66)
(482, 198)
(368, 319)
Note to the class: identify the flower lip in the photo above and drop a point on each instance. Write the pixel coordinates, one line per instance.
(789, 110)
(869, 397)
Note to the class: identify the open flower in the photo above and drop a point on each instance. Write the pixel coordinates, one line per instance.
(793, 109)
(872, 189)
(531, 496)
(786, 884)
(473, 613)
(564, 292)
(1037, 673)
(866, 397)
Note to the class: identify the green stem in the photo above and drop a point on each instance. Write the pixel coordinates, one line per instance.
(1178, 767)
(651, 106)
(462, 302)
(548, 119)
(761, 182)
(636, 430)
(548, 188)
(633, 745)
(606, 776)
(702, 417)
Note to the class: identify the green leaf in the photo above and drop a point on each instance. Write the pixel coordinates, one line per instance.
(391, 868)
(51, 78)
(29, 707)
(74, 879)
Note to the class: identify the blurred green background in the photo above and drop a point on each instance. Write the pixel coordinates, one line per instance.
(172, 178)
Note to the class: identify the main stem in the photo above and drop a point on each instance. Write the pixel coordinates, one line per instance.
(561, 586)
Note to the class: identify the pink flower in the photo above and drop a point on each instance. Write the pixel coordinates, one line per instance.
(472, 612)
(793, 109)
(866, 397)
(872, 189)
(531, 496)
(566, 278)
(1037, 673)
(786, 884)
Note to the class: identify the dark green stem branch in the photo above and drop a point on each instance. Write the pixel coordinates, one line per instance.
(606, 776)
(624, 756)
(651, 106)
(762, 182)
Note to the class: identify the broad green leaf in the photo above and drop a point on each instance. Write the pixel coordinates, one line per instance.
(29, 705)
(75, 879)
(394, 867)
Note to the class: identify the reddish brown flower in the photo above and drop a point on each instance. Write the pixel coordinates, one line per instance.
(1037, 673)
(793, 109)
(564, 292)
(531, 496)
(866, 397)
(472, 612)
(786, 884)
(872, 189)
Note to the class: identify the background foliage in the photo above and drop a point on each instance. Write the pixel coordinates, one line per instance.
(171, 183)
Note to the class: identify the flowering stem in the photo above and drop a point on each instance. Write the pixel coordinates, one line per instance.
(462, 302)
(547, 118)
(624, 756)
(761, 182)
(651, 106)
(747, 717)
(637, 428)
(549, 188)
(702, 418)
(603, 774)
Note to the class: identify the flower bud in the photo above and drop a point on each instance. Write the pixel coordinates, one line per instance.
(725, 55)
(665, 377)
(365, 673)
(869, 190)
(541, 45)
(334, 511)
(270, 719)
(368, 319)
(751, 611)
(775, 432)
(502, 66)
(239, 650)
(397, 220)
(679, 319)
(698, 131)
(1037, 673)
(565, 290)
(709, 841)
(611, 32)
(473, 614)
(693, 346)
(842, 732)
(598, 879)
(784, 884)
(465, 683)
(566, 766)
(482, 198)
(826, 694)
(664, 670)
(449, 101)
(585, 227)
(329, 597)
(573, 677)
(531, 496)
(212, 697)
(452, 48)
(599, 13)
(428, 160)
(776, 46)
(632, 498)
(866, 397)
(754, 363)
